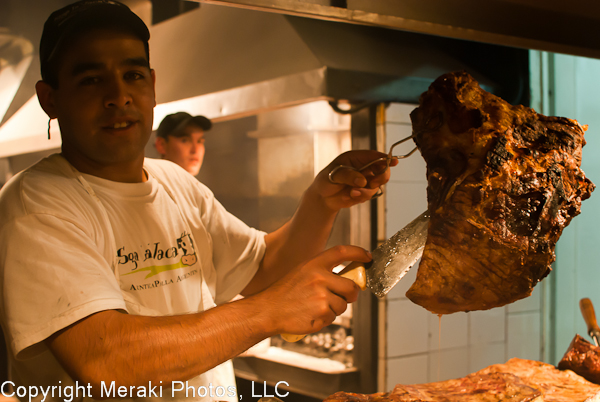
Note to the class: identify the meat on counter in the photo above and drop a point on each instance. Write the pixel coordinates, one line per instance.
(517, 380)
(583, 358)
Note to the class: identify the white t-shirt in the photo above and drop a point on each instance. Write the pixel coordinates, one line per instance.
(73, 244)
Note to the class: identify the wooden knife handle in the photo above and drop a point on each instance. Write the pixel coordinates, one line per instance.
(354, 271)
(589, 315)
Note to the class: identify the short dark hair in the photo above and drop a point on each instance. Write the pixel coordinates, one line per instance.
(85, 15)
(174, 124)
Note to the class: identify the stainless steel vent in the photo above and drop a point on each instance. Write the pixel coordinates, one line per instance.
(557, 26)
(229, 62)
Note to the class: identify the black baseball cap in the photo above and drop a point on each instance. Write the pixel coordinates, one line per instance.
(82, 16)
(174, 124)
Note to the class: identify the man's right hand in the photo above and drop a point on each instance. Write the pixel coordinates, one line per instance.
(309, 297)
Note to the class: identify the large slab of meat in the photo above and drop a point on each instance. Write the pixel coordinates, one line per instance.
(492, 387)
(555, 385)
(583, 358)
(518, 380)
(503, 182)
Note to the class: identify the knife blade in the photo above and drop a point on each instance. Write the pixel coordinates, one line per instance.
(391, 261)
(589, 315)
(396, 256)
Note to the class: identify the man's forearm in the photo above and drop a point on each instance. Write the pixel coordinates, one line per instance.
(306, 234)
(132, 350)
(308, 230)
(300, 239)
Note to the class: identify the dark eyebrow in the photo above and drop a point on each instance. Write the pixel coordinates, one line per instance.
(137, 61)
(84, 67)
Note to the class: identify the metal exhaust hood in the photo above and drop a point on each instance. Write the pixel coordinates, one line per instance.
(227, 62)
(570, 27)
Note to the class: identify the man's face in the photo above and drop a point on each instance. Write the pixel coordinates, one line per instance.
(104, 101)
(186, 150)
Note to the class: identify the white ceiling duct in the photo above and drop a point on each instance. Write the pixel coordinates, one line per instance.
(27, 131)
(16, 54)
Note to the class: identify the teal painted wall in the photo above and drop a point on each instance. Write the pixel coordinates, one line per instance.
(569, 86)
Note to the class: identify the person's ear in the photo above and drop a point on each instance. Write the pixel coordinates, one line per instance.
(161, 146)
(153, 75)
(45, 94)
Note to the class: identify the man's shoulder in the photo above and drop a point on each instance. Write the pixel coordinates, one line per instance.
(167, 168)
(49, 185)
(45, 171)
(47, 174)
(163, 167)
(174, 176)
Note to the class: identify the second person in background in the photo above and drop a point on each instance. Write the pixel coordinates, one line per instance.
(180, 139)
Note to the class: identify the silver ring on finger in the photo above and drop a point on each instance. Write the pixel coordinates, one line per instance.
(334, 171)
(378, 194)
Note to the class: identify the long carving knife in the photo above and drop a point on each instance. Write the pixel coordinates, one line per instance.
(391, 261)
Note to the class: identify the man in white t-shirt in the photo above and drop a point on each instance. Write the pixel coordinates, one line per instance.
(117, 270)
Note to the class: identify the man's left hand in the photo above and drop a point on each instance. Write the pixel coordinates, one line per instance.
(352, 184)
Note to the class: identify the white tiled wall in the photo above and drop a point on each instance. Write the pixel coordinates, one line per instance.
(421, 347)
(448, 332)
(524, 335)
(572, 91)
(412, 369)
(447, 363)
(483, 355)
(405, 336)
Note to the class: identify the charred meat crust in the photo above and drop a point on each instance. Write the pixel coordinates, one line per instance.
(503, 182)
(583, 358)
